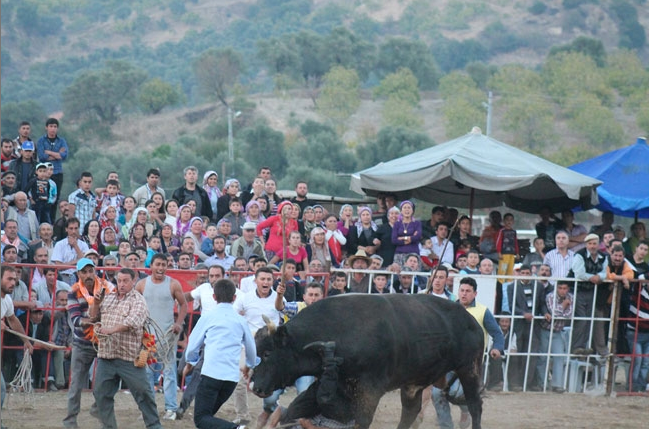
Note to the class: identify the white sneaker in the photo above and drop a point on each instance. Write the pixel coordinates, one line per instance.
(169, 415)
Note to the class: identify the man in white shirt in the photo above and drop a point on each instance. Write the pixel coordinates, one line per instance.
(69, 250)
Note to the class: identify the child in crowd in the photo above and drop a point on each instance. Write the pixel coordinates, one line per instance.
(111, 197)
(425, 247)
(460, 261)
(338, 285)
(39, 191)
(236, 217)
(295, 251)
(472, 261)
(211, 231)
(155, 246)
(507, 246)
(294, 286)
(380, 283)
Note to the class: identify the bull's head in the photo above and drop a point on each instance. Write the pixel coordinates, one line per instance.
(282, 360)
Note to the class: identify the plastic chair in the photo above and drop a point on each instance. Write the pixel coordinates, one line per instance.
(578, 373)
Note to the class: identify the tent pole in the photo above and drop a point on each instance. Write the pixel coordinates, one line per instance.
(635, 218)
(471, 204)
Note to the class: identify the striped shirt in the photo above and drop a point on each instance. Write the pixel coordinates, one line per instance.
(560, 264)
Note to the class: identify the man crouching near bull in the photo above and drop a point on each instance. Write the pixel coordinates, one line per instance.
(328, 381)
(467, 294)
(222, 331)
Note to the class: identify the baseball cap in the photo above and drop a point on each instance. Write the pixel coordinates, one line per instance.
(91, 252)
(591, 237)
(83, 263)
(249, 225)
(28, 145)
(41, 165)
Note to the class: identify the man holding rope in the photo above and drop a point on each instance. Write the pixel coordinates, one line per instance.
(161, 293)
(9, 280)
(80, 298)
(122, 315)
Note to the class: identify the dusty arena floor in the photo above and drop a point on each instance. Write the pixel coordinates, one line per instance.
(501, 411)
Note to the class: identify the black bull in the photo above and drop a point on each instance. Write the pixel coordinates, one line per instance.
(388, 342)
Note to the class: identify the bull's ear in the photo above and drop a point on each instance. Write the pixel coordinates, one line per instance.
(281, 336)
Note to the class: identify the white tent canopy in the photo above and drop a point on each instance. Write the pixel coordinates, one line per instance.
(477, 171)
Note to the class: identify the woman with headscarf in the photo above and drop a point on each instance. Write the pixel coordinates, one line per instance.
(346, 221)
(231, 189)
(253, 212)
(182, 222)
(319, 249)
(210, 184)
(168, 241)
(196, 234)
(140, 215)
(110, 239)
(281, 225)
(361, 235)
(138, 236)
(108, 218)
(383, 240)
(335, 238)
(406, 233)
(307, 223)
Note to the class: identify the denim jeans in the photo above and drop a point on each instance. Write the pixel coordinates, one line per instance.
(301, 384)
(558, 362)
(107, 380)
(210, 396)
(82, 357)
(170, 384)
(442, 406)
(640, 364)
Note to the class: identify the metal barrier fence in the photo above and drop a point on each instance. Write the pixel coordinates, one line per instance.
(12, 354)
(529, 361)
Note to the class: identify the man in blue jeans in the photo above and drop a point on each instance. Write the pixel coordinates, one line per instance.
(221, 331)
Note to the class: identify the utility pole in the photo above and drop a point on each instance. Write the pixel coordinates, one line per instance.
(489, 100)
(230, 140)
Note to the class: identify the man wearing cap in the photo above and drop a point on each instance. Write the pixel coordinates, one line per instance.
(8, 186)
(144, 192)
(589, 268)
(80, 298)
(53, 148)
(25, 166)
(359, 281)
(26, 218)
(248, 244)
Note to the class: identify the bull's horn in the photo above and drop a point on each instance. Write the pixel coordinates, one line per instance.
(271, 326)
(315, 344)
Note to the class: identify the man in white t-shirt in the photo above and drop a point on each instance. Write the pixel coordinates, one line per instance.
(7, 316)
(255, 304)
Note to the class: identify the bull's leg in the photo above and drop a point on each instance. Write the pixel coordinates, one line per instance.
(410, 406)
(365, 409)
(470, 379)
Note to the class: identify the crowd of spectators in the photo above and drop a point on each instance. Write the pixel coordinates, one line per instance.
(387, 248)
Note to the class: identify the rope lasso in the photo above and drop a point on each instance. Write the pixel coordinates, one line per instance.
(166, 341)
(22, 382)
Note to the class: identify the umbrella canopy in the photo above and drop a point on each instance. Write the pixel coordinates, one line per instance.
(477, 171)
(625, 173)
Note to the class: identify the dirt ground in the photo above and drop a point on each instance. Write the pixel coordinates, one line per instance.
(501, 410)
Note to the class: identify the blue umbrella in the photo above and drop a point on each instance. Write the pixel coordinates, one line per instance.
(625, 173)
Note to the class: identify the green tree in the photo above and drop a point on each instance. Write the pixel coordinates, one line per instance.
(14, 113)
(340, 96)
(265, 146)
(401, 85)
(157, 94)
(320, 181)
(391, 143)
(595, 122)
(398, 53)
(347, 50)
(625, 72)
(217, 70)
(463, 104)
(103, 94)
(279, 56)
(320, 146)
(593, 48)
(569, 74)
(397, 112)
